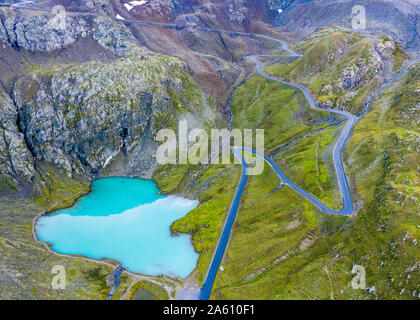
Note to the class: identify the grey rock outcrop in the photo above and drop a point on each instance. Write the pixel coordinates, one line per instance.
(41, 33)
(83, 119)
(16, 162)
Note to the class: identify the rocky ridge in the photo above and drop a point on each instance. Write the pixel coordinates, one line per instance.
(39, 33)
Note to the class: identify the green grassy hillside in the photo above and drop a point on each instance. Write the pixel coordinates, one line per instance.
(282, 247)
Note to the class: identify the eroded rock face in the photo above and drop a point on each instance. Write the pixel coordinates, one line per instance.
(361, 71)
(279, 4)
(16, 162)
(84, 118)
(40, 33)
(395, 18)
(353, 76)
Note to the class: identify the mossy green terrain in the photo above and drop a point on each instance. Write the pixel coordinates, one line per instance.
(26, 265)
(285, 116)
(282, 247)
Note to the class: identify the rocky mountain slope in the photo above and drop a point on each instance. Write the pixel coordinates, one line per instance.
(342, 67)
(283, 247)
(397, 18)
(210, 61)
(80, 115)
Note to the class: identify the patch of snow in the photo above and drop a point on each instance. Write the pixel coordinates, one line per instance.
(119, 17)
(280, 10)
(127, 6)
(137, 3)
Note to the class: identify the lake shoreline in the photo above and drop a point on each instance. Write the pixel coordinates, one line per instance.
(152, 203)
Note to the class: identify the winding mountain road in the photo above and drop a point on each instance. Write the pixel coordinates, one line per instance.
(348, 205)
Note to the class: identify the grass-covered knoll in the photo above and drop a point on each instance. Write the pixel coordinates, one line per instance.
(341, 67)
(214, 187)
(154, 289)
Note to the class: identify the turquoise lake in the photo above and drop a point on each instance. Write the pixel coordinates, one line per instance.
(125, 220)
